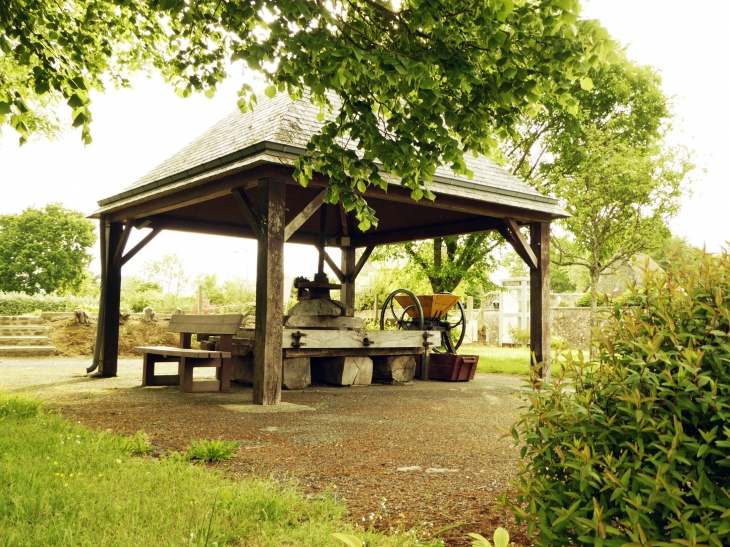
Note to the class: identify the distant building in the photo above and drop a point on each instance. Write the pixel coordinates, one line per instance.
(625, 274)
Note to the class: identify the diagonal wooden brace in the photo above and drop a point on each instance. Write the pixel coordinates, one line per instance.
(248, 210)
(511, 232)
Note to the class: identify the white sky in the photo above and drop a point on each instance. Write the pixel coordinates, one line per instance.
(134, 130)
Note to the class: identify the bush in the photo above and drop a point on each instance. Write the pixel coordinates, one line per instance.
(583, 301)
(633, 448)
(15, 303)
(520, 337)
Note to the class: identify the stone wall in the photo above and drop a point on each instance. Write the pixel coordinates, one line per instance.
(570, 324)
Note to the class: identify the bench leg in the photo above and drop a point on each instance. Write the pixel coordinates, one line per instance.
(185, 371)
(148, 370)
(223, 373)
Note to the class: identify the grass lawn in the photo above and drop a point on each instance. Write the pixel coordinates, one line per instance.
(62, 484)
(499, 360)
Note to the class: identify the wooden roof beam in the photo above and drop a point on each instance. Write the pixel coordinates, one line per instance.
(219, 229)
(511, 232)
(474, 225)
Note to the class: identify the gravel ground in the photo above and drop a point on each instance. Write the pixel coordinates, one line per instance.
(350, 441)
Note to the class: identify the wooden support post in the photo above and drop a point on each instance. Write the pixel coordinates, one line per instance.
(322, 237)
(269, 288)
(540, 297)
(112, 287)
(99, 345)
(347, 264)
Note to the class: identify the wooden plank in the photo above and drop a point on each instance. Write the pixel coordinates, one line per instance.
(347, 291)
(351, 352)
(323, 322)
(304, 215)
(318, 339)
(540, 297)
(269, 288)
(335, 269)
(205, 324)
(199, 386)
(112, 297)
(169, 351)
(139, 246)
(247, 209)
(511, 232)
(474, 225)
(361, 263)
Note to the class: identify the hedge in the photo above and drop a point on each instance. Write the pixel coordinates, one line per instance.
(22, 304)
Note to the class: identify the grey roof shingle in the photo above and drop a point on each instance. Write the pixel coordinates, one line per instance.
(288, 126)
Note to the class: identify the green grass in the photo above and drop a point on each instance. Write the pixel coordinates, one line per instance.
(62, 484)
(505, 360)
(497, 360)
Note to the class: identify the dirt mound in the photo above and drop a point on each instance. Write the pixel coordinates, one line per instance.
(72, 339)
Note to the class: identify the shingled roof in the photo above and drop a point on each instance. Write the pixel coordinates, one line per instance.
(277, 131)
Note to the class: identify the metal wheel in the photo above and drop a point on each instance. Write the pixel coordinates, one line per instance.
(404, 317)
(454, 329)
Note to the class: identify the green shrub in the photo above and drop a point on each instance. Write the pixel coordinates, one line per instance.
(583, 301)
(563, 304)
(520, 337)
(558, 343)
(633, 449)
(15, 303)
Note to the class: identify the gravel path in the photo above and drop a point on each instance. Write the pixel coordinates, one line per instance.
(427, 453)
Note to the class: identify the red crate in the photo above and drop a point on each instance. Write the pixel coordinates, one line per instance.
(450, 368)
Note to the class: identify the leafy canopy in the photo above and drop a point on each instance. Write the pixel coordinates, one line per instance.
(45, 250)
(413, 84)
(446, 262)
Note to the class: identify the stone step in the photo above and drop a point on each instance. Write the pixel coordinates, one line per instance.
(25, 341)
(26, 351)
(15, 320)
(24, 330)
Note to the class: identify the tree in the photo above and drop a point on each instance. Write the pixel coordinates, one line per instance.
(516, 267)
(169, 273)
(621, 199)
(45, 250)
(448, 261)
(608, 164)
(413, 84)
(560, 281)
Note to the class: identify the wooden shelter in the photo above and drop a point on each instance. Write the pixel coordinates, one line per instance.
(236, 180)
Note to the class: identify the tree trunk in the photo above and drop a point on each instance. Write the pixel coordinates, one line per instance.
(594, 306)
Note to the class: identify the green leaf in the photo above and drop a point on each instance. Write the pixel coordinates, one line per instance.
(586, 83)
(348, 539)
(479, 540)
(501, 537)
(270, 91)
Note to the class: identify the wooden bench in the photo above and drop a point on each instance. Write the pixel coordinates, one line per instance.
(224, 326)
